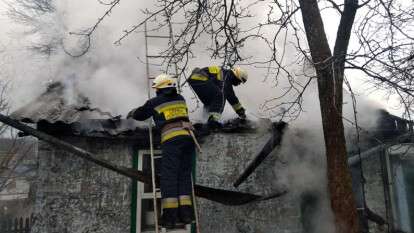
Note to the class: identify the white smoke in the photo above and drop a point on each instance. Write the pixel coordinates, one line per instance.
(305, 173)
(114, 80)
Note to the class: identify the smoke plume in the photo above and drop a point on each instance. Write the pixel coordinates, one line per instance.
(113, 77)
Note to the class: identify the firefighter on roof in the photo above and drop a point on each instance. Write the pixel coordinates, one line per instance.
(213, 86)
(170, 114)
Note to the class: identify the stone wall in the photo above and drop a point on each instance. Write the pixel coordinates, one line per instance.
(76, 196)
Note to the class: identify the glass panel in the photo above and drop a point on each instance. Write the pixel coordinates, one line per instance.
(400, 197)
(146, 167)
(401, 159)
(408, 171)
(147, 216)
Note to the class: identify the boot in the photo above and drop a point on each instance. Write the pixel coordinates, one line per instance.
(168, 218)
(186, 214)
(213, 125)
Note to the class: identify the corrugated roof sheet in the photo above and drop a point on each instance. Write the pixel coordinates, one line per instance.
(97, 127)
(57, 106)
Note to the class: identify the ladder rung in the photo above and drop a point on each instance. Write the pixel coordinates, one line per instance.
(157, 56)
(178, 229)
(154, 36)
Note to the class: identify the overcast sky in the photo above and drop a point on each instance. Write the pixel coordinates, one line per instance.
(10, 41)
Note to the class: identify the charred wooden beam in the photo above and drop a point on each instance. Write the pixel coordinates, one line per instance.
(232, 198)
(275, 139)
(225, 197)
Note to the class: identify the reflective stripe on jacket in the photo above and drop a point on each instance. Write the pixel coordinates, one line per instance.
(223, 78)
(167, 107)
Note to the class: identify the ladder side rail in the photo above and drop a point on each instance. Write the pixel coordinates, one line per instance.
(175, 67)
(174, 55)
(197, 222)
(175, 61)
(154, 192)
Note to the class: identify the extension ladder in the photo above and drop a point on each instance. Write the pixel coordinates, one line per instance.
(156, 191)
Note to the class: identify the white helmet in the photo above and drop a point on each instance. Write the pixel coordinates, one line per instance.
(240, 74)
(164, 81)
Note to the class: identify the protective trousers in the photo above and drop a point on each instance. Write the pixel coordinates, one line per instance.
(176, 167)
(210, 94)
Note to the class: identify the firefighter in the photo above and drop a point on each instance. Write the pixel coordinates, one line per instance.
(170, 115)
(213, 86)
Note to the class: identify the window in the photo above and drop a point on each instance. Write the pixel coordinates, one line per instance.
(400, 166)
(142, 211)
(146, 168)
(145, 204)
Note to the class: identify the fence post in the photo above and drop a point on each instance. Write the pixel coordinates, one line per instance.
(27, 226)
(16, 225)
(3, 225)
(9, 225)
(21, 229)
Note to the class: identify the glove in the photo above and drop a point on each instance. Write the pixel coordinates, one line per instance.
(131, 114)
(242, 113)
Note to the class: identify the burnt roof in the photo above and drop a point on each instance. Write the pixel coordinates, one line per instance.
(59, 104)
(62, 110)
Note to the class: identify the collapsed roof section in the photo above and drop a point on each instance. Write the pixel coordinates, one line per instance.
(55, 105)
(222, 196)
(64, 111)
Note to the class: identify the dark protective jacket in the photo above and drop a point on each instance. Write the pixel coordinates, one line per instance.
(167, 108)
(224, 79)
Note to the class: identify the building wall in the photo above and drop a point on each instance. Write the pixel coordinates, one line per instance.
(224, 158)
(374, 189)
(76, 196)
(18, 174)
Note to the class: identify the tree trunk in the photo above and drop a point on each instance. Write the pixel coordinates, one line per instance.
(330, 72)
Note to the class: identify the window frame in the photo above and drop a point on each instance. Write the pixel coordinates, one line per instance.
(141, 195)
(403, 151)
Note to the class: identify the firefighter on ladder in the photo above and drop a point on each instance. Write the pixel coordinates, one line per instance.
(170, 114)
(213, 86)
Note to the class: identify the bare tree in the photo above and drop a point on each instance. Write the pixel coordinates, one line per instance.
(32, 14)
(4, 85)
(384, 54)
(15, 153)
(8, 159)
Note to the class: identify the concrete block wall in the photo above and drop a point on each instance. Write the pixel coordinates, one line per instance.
(223, 159)
(76, 196)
